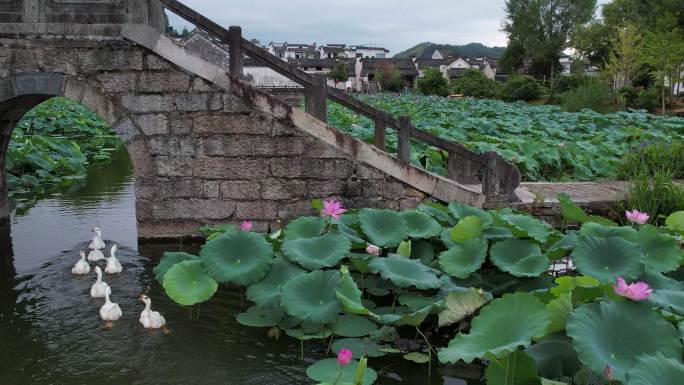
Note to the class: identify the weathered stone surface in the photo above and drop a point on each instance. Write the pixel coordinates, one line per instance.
(230, 168)
(179, 188)
(94, 60)
(277, 146)
(209, 101)
(230, 145)
(278, 189)
(152, 124)
(329, 188)
(140, 103)
(180, 124)
(170, 166)
(200, 85)
(256, 210)
(117, 81)
(193, 209)
(240, 189)
(154, 62)
(313, 168)
(172, 145)
(217, 123)
(166, 81)
(296, 209)
(212, 188)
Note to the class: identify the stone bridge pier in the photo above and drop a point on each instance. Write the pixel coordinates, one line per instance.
(206, 147)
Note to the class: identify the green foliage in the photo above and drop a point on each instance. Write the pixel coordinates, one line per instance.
(490, 289)
(593, 95)
(474, 83)
(425, 50)
(390, 79)
(545, 142)
(433, 83)
(655, 192)
(53, 144)
(520, 87)
(338, 73)
(658, 157)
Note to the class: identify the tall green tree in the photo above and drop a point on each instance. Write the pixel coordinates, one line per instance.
(544, 27)
(664, 52)
(338, 73)
(625, 57)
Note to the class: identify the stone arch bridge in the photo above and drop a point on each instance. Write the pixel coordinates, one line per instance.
(206, 146)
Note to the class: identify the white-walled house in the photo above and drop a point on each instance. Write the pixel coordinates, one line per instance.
(367, 52)
(287, 51)
(333, 51)
(454, 67)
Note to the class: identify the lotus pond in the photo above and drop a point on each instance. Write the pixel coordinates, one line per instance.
(446, 286)
(547, 143)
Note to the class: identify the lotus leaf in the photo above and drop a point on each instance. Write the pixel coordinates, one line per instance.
(460, 211)
(308, 334)
(187, 284)
(416, 302)
(420, 225)
(461, 260)
(554, 358)
(349, 294)
(384, 228)
(405, 272)
(662, 252)
(525, 226)
(501, 327)
(385, 334)
(460, 305)
(311, 296)
(318, 252)
(168, 260)
(266, 293)
(304, 227)
(404, 249)
(423, 251)
(516, 368)
(445, 237)
(671, 300)
(616, 333)
(559, 310)
(656, 369)
(676, 221)
(239, 257)
(574, 213)
(360, 347)
(416, 317)
(519, 258)
(564, 245)
(608, 258)
(350, 325)
(467, 228)
(597, 230)
(260, 318)
(437, 211)
(327, 371)
(497, 233)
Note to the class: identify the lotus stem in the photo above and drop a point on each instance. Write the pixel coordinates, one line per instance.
(429, 351)
(198, 311)
(301, 347)
(339, 375)
(332, 337)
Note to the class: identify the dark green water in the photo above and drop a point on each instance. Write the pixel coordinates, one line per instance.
(50, 328)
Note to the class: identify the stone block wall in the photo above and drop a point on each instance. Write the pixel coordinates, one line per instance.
(200, 155)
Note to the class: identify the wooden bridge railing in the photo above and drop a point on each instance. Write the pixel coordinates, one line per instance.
(499, 178)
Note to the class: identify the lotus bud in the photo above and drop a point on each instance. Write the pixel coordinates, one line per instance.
(637, 217)
(344, 357)
(373, 250)
(608, 373)
(246, 226)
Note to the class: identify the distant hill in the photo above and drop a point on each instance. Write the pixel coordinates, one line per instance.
(425, 50)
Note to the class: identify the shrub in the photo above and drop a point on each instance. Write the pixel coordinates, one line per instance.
(661, 157)
(649, 99)
(390, 79)
(570, 82)
(338, 73)
(655, 193)
(629, 95)
(433, 83)
(593, 95)
(521, 87)
(474, 83)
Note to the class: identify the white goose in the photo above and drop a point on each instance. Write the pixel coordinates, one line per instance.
(110, 311)
(151, 319)
(95, 255)
(97, 243)
(99, 288)
(113, 265)
(81, 267)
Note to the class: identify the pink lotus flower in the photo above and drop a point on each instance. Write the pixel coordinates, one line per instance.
(608, 373)
(246, 226)
(373, 250)
(636, 216)
(344, 357)
(333, 209)
(637, 291)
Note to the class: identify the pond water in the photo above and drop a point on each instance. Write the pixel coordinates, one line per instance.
(51, 332)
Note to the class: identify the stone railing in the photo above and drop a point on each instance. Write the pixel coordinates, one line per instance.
(498, 177)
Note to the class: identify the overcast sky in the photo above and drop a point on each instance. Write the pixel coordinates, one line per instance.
(395, 24)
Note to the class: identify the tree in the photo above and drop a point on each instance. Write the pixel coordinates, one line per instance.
(433, 83)
(594, 41)
(625, 57)
(390, 78)
(664, 50)
(474, 83)
(543, 28)
(338, 73)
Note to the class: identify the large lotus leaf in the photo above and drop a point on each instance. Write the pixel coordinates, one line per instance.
(420, 225)
(318, 252)
(597, 230)
(497, 233)
(525, 226)
(516, 368)
(260, 318)
(501, 327)
(467, 228)
(415, 318)
(416, 302)
(311, 297)
(316, 332)
(670, 300)
(559, 310)
(385, 334)
(266, 293)
(573, 213)
(349, 294)
(405, 272)
(563, 246)
(459, 305)
(350, 325)
(168, 260)
(658, 281)
(359, 346)
(616, 333)
(656, 369)
(187, 283)
(437, 211)
(662, 252)
(676, 221)
(383, 227)
(239, 257)
(464, 259)
(555, 358)
(518, 257)
(460, 210)
(423, 250)
(445, 237)
(328, 370)
(304, 227)
(608, 258)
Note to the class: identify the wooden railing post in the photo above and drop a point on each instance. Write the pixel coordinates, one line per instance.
(490, 176)
(380, 128)
(235, 50)
(404, 142)
(316, 97)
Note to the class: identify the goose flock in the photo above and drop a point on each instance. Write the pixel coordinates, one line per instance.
(110, 311)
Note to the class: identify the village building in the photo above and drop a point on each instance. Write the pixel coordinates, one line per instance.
(333, 51)
(287, 51)
(367, 52)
